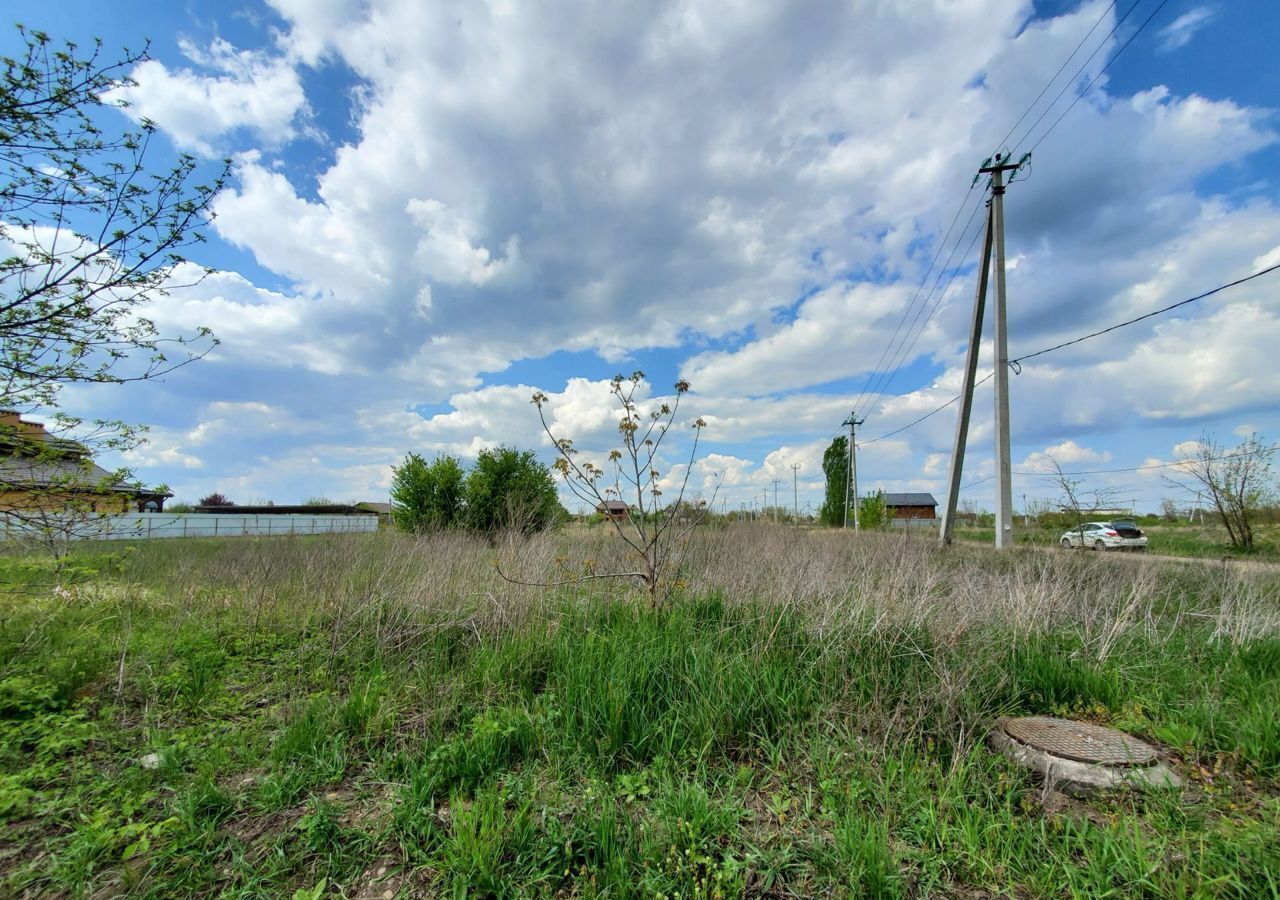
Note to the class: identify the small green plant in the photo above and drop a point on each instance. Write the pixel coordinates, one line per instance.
(312, 893)
(633, 787)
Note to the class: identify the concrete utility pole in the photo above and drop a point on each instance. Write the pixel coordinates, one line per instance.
(852, 478)
(1004, 457)
(775, 500)
(966, 392)
(795, 490)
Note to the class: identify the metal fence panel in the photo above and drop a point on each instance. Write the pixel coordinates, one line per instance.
(143, 526)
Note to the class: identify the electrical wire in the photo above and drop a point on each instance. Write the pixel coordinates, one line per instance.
(882, 378)
(885, 374)
(1094, 81)
(1044, 90)
(1019, 360)
(1149, 315)
(927, 415)
(899, 359)
(1170, 465)
(923, 281)
(965, 487)
(1078, 72)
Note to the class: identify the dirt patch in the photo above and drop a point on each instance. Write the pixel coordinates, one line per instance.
(386, 879)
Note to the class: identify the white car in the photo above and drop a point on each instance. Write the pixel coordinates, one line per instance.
(1105, 536)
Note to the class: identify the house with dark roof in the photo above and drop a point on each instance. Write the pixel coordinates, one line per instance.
(618, 510)
(42, 472)
(911, 506)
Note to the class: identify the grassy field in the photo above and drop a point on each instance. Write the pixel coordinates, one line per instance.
(372, 716)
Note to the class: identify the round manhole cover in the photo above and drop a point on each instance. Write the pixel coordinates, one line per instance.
(1080, 741)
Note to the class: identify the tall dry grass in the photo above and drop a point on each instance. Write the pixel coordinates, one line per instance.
(398, 584)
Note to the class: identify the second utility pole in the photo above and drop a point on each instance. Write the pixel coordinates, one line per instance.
(851, 479)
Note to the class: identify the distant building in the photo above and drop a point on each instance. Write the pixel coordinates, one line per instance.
(42, 472)
(617, 510)
(911, 506)
(383, 510)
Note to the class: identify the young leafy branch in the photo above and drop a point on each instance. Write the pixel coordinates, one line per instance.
(651, 531)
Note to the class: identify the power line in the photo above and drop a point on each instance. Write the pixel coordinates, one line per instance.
(882, 378)
(1044, 90)
(1101, 72)
(965, 487)
(923, 281)
(1078, 72)
(1073, 341)
(1170, 465)
(1149, 315)
(887, 374)
(927, 415)
(900, 358)
(828, 441)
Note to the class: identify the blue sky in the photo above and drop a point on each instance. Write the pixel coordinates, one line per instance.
(438, 208)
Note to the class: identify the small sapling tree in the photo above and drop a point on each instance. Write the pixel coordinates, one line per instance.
(873, 514)
(655, 532)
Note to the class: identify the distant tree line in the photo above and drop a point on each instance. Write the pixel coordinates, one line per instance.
(506, 489)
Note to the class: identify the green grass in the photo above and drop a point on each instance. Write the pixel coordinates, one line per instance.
(584, 745)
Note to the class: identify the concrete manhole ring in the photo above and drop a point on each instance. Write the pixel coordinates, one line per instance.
(1080, 741)
(1078, 758)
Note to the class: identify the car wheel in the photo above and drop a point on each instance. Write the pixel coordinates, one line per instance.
(1099, 546)
(1066, 544)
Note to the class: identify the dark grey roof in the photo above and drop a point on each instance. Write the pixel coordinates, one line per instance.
(909, 500)
(23, 471)
(614, 505)
(65, 475)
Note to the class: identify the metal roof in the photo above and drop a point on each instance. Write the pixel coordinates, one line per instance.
(27, 473)
(909, 500)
